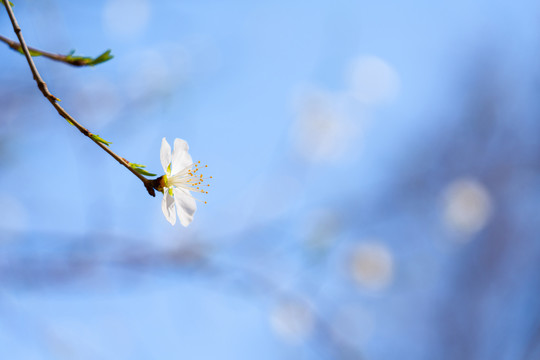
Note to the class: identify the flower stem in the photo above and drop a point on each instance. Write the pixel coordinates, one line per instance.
(54, 101)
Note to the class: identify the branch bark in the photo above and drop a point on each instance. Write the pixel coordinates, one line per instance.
(149, 184)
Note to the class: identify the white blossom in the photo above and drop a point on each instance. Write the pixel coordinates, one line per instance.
(180, 179)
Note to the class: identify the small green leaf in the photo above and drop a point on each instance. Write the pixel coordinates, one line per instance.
(85, 60)
(99, 139)
(139, 168)
(106, 56)
(144, 172)
(133, 165)
(10, 3)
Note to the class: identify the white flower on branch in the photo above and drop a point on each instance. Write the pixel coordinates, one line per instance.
(181, 178)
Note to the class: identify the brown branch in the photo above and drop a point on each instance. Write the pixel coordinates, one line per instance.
(149, 184)
(36, 52)
(67, 59)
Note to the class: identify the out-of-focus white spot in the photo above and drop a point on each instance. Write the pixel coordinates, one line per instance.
(353, 325)
(179, 59)
(372, 80)
(467, 205)
(372, 266)
(157, 72)
(126, 18)
(293, 321)
(206, 55)
(14, 215)
(99, 102)
(322, 131)
(151, 76)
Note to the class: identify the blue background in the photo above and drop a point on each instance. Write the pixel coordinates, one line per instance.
(375, 188)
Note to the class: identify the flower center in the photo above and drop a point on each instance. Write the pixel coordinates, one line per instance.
(188, 178)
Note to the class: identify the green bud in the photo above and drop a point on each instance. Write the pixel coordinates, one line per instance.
(140, 169)
(99, 139)
(85, 60)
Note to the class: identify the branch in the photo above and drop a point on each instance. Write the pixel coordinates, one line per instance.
(68, 59)
(149, 184)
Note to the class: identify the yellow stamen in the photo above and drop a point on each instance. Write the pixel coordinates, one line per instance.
(187, 179)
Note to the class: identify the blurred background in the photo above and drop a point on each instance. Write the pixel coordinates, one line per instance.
(375, 191)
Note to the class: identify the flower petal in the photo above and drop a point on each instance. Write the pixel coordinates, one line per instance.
(167, 206)
(180, 156)
(165, 154)
(185, 205)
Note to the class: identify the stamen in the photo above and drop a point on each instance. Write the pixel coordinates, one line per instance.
(188, 179)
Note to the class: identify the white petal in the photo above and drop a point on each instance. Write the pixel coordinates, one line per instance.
(167, 206)
(185, 206)
(165, 154)
(180, 156)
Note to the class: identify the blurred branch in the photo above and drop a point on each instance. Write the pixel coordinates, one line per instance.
(68, 59)
(86, 263)
(149, 184)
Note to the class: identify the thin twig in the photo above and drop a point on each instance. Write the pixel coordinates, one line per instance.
(149, 184)
(67, 59)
